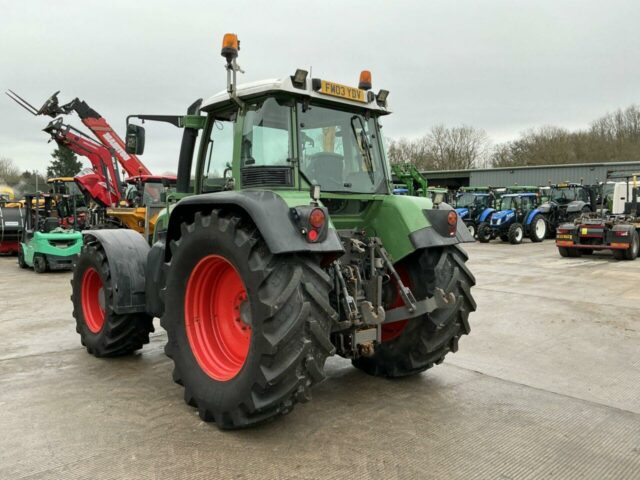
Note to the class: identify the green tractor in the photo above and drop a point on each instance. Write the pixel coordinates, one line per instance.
(45, 244)
(407, 180)
(286, 246)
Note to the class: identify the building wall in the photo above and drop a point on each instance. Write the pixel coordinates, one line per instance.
(588, 173)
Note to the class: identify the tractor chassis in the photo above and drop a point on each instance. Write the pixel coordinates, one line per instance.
(364, 277)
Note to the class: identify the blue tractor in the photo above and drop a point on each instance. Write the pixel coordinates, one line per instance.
(517, 218)
(475, 208)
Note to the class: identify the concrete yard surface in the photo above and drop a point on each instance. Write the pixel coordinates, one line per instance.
(546, 386)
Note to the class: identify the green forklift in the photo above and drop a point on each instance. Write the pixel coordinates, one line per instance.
(45, 244)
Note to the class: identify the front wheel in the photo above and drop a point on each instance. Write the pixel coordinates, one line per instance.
(538, 228)
(484, 233)
(21, 262)
(516, 232)
(102, 331)
(39, 263)
(412, 346)
(248, 331)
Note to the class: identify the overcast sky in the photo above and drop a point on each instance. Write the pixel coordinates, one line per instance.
(503, 66)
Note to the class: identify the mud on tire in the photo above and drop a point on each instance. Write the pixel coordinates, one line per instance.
(103, 332)
(288, 313)
(426, 340)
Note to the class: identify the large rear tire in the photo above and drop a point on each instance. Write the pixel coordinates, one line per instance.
(421, 342)
(248, 331)
(630, 253)
(471, 226)
(538, 229)
(103, 332)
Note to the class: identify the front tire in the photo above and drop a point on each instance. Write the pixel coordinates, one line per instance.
(280, 302)
(412, 346)
(21, 262)
(103, 332)
(484, 233)
(516, 233)
(39, 263)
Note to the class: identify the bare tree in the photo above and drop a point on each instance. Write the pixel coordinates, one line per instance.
(443, 148)
(9, 171)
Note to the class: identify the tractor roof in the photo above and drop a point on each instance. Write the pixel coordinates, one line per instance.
(171, 179)
(284, 85)
(523, 194)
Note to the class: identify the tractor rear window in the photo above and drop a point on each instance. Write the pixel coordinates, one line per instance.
(340, 151)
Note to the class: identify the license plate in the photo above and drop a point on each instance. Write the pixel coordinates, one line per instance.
(343, 91)
(564, 237)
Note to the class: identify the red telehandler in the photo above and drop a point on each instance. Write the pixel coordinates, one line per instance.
(135, 206)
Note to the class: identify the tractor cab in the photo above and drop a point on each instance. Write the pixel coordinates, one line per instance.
(148, 190)
(566, 202)
(61, 187)
(46, 243)
(475, 207)
(439, 195)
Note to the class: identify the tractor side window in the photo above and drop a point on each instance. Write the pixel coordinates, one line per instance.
(219, 154)
(266, 138)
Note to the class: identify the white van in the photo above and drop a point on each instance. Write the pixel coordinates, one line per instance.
(615, 195)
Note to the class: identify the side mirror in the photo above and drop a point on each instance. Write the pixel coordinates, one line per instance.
(135, 139)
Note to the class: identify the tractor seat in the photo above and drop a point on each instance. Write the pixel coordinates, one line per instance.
(327, 169)
(50, 223)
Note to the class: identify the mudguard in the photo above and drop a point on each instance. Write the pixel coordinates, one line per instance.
(437, 234)
(269, 212)
(126, 253)
(531, 215)
(545, 207)
(486, 212)
(576, 206)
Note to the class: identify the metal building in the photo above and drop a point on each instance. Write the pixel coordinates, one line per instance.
(589, 173)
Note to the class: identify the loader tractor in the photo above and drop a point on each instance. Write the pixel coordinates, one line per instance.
(286, 246)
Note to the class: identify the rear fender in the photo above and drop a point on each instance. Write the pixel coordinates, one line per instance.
(126, 253)
(269, 212)
(532, 215)
(576, 206)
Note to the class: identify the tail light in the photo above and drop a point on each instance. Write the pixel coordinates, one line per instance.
(317, 218)
(311, 222)
(452, 218)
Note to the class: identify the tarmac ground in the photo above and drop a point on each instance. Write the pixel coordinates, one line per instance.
(547, 385)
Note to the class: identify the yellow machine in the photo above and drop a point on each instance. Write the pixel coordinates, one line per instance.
(145, 197)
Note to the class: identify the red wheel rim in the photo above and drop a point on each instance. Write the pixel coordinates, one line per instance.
(391, 331)
(214, 301)
(93, 300)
